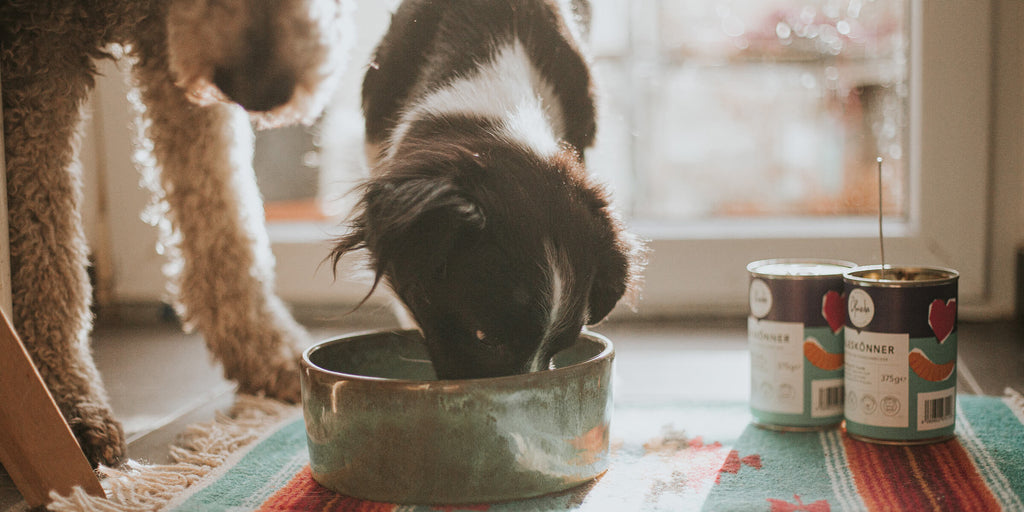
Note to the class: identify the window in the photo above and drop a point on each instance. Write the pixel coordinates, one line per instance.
(732, 130)
(753, 108)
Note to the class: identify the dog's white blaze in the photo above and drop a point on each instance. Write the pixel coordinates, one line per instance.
(558, 298)
(507, 89)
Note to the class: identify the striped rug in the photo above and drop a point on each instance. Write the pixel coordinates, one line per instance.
(672, 457)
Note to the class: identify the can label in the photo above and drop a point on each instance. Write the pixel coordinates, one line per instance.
(795, 370)
(901, 349)
(795, 336)
(776, 366)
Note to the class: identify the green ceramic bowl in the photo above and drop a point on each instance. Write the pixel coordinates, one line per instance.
(381, 427)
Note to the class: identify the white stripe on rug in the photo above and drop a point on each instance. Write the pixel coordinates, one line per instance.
(1015, 401)
(965, 372)
(278, 481)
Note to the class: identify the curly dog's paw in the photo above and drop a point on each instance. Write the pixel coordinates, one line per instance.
(99, 434)
(282, 383)
(275, 379)
(266, 361)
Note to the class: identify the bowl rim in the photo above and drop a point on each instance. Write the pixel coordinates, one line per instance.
(607, 353)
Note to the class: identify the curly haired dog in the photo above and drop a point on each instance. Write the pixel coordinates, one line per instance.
(194, 63)
(480, 214)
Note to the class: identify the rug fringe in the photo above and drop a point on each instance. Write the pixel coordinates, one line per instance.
(137, 487)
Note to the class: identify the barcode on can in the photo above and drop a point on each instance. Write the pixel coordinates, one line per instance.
(827, 397)
(830, 397)
(936, 409)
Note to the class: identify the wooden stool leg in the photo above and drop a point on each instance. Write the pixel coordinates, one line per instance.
(37, 447)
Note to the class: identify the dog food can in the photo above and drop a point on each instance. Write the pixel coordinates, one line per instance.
(795, 335)
(901, 354)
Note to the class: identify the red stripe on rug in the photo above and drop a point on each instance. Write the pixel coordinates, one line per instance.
(305, 494)
(936, 477)
(952, 465)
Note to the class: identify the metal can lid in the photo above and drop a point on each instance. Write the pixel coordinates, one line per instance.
(900, 276)
(799, 268)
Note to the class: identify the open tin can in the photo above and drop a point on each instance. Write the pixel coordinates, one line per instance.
(901, 351)
(795, 335)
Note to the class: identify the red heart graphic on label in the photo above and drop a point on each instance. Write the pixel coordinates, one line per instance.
(942, 318)
(833, 308)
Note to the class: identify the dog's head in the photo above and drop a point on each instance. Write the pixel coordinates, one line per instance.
(278, 59)
(500, 255)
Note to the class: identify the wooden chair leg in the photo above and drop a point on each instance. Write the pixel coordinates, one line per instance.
(37, 447)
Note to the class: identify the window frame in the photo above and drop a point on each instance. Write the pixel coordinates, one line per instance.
(949, 139)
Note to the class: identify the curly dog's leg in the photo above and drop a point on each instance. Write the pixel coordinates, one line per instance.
(225, 280)
(49, 253)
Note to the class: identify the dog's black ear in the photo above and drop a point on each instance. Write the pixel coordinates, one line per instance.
(620, 264)
(411, 224)
(611, 281)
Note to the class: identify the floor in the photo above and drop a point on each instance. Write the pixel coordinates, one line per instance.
(160, 380)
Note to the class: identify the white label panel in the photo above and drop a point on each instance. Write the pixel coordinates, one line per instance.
(776, 365)
(877, 378)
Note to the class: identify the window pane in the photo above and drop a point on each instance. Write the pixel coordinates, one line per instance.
(753, 108)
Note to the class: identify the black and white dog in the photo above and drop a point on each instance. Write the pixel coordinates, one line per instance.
(479, 213)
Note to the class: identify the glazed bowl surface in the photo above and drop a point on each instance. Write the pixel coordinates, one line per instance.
(381, 427)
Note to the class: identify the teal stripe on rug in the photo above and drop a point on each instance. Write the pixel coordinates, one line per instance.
(994, 438)
(263, 470)
(843, 485)
(792, 465)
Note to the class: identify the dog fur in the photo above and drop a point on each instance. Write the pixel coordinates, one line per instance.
(194, 62)
(479, 213)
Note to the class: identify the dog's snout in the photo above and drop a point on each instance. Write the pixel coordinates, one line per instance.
(256, 88)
